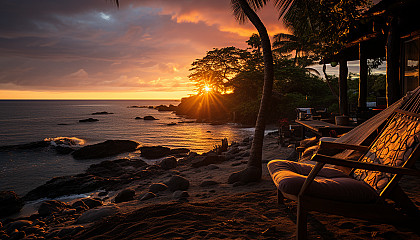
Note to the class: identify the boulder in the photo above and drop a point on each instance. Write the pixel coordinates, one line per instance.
(63, 150)
(208, 183)
(138, 118)
(101, 113)
(166, 108)
(125, 196)
(207, 160)
(106, 169)
(69, 231)
(18, 224)
(89, 120)
(154, 152)
(149, 118)
(105, 149)
(96, 214)
(157, 187)
(178, 151)
(177, 183)
(52, 206)
(147, 196)
(10, 203)
(66, 185)
(180, 194)
(88, 202)
(168, 163)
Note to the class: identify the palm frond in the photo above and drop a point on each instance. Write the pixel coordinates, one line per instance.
(238, 13)
(254, 4)
(283, 6)
(313, 71)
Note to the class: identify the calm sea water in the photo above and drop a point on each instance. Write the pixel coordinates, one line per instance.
(23, 121)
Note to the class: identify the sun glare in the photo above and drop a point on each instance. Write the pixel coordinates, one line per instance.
(207, 89)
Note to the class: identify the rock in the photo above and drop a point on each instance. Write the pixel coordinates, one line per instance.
(17, 225)
(168, 163)
(178, 151)
(208, 183)
(147, 196)
(101, 113)
(138, 118)
(105, 149)
(125, 196)
(96, 214)
(149, 118)
(212, 167)
(154, 152)
(106, 169)
(188, 159)
(207, 160)
(52, 206)
(233, 150)
(166, 108)
(180, 194)
(34, 230)
(69, 231)
(70, 211)
(89, 120)
(17, 235)
(10, 203)
(66, 185)
(88, 203)
(157, 187)
(63, 150)
(177, 183)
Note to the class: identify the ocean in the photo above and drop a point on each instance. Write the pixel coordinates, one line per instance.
(26, 121)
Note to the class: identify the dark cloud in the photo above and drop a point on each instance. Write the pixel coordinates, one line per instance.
(92, 44)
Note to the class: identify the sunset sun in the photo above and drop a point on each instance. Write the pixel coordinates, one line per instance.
(207, 89)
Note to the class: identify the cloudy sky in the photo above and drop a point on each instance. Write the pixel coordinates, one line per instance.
(90, 49)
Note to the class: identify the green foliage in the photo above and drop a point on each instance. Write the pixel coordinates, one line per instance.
(324, 25)
(217, 68)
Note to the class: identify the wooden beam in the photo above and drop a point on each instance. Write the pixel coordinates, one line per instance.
(363, 74)
(392, 62)
(342, 82)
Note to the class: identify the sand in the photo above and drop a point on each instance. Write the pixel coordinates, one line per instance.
(223, 211)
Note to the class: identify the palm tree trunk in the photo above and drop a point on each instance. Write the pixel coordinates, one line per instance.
(254, 167)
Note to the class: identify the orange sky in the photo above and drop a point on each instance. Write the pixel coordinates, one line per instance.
(92, 50)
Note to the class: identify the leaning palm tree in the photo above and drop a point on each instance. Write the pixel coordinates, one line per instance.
(243, 10)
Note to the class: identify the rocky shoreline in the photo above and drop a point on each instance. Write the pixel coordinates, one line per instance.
(111, 182)
(184, 195)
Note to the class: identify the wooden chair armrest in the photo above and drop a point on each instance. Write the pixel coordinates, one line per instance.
(334, 145)
(315, 170)
(365, 165)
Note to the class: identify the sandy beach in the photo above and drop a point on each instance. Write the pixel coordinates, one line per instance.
(215, 210)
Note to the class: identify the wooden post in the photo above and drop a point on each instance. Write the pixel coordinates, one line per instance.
(363, 74)
(392, 62)
(342, 82)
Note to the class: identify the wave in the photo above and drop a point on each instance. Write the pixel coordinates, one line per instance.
(57, 142)
(66, 141)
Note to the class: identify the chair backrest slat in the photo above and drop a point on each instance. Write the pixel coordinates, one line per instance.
(393, 147)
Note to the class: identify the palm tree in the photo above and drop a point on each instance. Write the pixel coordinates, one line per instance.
(286, 43)
(243, 10)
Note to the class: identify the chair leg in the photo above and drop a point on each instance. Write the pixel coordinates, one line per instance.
(401, 198)
(280, 198)
(302, 217)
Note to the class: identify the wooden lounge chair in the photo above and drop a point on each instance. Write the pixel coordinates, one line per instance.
(373, 179)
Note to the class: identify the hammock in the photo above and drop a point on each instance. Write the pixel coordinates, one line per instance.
(410, 102)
